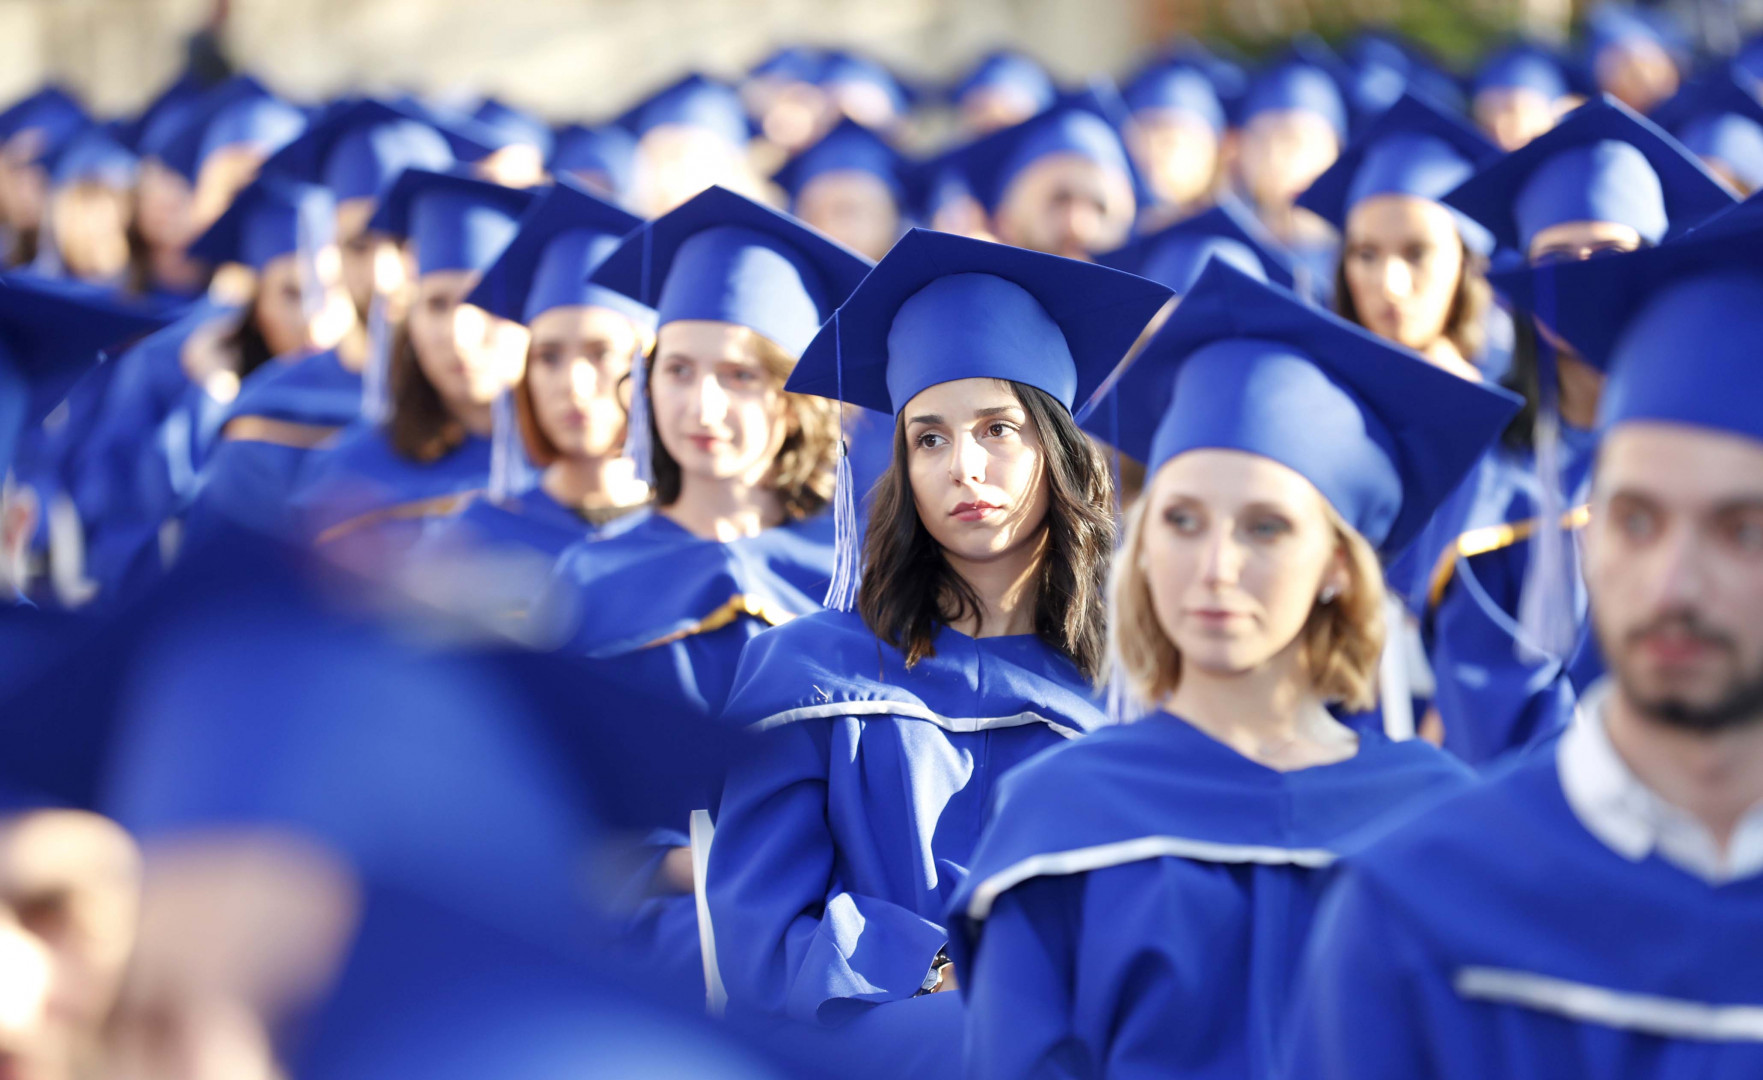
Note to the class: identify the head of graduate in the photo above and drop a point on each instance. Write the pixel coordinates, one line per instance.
(1176, 132)
(90, 233)
(1292, 123)
(996, 514)
(1288, 452)
(585, 340)
(1634, 54)
(356, 149)
(690, 135)
(1412, 270)
(851, 185)
(1518, 93)
(450, 360)
(284, 233)
(1673, 553)
(1060, 182)
(738, 291)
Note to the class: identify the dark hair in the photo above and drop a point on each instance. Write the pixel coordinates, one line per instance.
(802, 473)
(909, 589)
(24, 249)
(421, 426)
(1465, 326)
(247, 342)
(1522, 379)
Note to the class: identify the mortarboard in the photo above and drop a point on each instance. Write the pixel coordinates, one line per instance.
(848, 69)
(1413, 148)
(1718, 117)
(52, 112)
(272, 217)
(1084, 124)
(1008, 73)
(455, 222)
(512, 126)
(694, 101)
(608, 150)
(792, 63)
(1176, 86)
(240, 109)
(94, 156)
(849, 147)
(359, 147)
(1241, 365)
(1175, 255)
(1603, 162)
(1296, 83)
(562, 239)
(1523, 66)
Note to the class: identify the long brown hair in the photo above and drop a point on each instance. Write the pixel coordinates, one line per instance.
(909, 589)
(421, 426)
(802, 473)
(1465, 326)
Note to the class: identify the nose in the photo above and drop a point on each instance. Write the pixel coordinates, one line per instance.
(470, 325)
(1222, 560)
(968, 463)
(1679, 581)
(584, 380)
(712, 401)
(1398, 278)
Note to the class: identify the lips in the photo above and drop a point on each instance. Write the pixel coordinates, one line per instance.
(973, 511)
(705, 443)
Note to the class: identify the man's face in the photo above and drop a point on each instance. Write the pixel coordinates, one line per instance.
(1067, 205)
(1674, 565)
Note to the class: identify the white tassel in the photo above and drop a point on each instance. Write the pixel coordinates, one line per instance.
(841, 594)
(507, 459)
(1545, 605)
(376, 396)
(637, 442)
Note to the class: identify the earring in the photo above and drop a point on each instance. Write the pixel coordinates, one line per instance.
(1329, 592)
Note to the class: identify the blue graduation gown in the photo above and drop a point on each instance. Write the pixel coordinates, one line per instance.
(253, 468)
(1497, 937)
(362, 491)
(1140, 899)
(841, 839)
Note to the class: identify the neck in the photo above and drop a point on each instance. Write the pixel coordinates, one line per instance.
(1007, 586)
(714, 508)
(1715, 776)
(595, 483)
(172, 270)
(1270, 714)
(1443, 353)
(477, 418)
(1580, 387)
(352, 350)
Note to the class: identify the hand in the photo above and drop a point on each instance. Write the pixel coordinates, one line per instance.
(946, 979)
(675, 873)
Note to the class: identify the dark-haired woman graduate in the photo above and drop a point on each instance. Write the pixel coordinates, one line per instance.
(661, 604)
(882, 731)
(449, 364)
(586, 339)
(1141, 897)
(286, 411)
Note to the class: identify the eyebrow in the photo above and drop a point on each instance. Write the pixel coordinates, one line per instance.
(979, 414)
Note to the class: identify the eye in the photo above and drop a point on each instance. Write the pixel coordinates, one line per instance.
(439, 305)
(1743, 531)
(998, 429)
(929, 440)
(1636, 524)
(678, 370)
(1182, 519)
(1267, 527)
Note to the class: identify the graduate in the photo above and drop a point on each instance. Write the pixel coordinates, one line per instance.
(661, 603)
(1060, 182)
(1292, 123)
(1411, 270)
(1003, 89)
(1597, 909)
(690, 135)
(33, 131)
(976, 633)
(449, 365)
(1518, 93)
(1176, 136)
(1498, 597)
(1636, 56)
(1718, 118)
(522, 143)
(586, 339)
(89, 219)
(598, 158)
(851, 185)
(218, 151)
(864, 91)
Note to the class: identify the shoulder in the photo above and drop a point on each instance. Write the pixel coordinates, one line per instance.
(808, 666)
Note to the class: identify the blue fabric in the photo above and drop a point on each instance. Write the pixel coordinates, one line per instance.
(1176, 87)
(1175, 255)
(1011, 74)
(607, 150)
(271, 218)
(1717, 116)
(506, 549)
(1161, 965)
(1241, 365)
(1453, 890)
(563, 238)
(95, 156)
(1295, 86)
(941, 307)
(725, 258)
(1523, 66)
(455, 222)
(848, 147)
(842, 68)
(1082, 125)
(357, 150)
(693, 101)
(1602, 162)
(513, 126)
(262, 123)
(361, 474)
(841, 839)
(53, 113)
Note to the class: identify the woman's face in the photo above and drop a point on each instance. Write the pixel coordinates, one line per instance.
(719, 412)
(91, 227)
(853, 207)
(1403, 262)
(1236, 549)
(1177, 152)
(1283, 152)
(166, 201)
(977, 468)
(1064, 204)
(281, 314)
(578, 358)
(467, 354)
(372, 261)
(1512, 116)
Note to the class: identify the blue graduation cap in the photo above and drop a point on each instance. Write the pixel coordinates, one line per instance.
(1718, 118)
(607, 150)
(455, 222)
(1302, 81)
(264, 123)
(1675, 327)
(724, 258)
(52, 112)
(51, 332)
(1241, 365)
(1603, 162)
(1223, 68)
(272, 217)
(182, 92)
(238, 110)
(1414, 148)
(693, 101)
(849, 147)
(1084, 124)
(1613, 24)
(1523, 65)
(843, 68)
(792, 63)
(563, 238)
(358, 148)
(940, 307)
(1008, 73)
(1175, 255)
(514, 127)
(1385, 66)
(94, 156)
(1176, 86)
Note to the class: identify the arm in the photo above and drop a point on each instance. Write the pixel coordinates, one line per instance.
(790, 939)
(1022, 987)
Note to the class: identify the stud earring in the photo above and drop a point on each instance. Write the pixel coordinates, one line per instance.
(1329, 592)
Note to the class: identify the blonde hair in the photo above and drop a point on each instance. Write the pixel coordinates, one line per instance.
(1342, 640)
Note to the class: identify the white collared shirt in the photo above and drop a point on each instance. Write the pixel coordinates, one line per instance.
(1633, 821)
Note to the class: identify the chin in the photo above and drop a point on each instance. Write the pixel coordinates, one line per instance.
(1221, 659)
